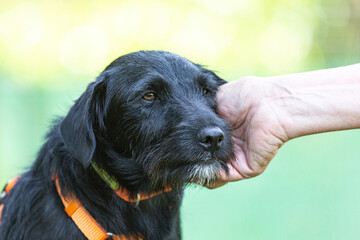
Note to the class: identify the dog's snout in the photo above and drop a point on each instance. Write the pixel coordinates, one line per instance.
(210, 138)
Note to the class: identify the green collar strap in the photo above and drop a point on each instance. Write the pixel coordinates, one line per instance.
(109, 179)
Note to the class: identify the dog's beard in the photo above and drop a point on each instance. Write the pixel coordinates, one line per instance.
(202, 173)
(205, 174)
(178, 168)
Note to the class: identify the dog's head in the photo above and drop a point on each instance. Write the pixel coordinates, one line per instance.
(151, 116)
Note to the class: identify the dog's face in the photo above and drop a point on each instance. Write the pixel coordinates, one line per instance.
(152, 114)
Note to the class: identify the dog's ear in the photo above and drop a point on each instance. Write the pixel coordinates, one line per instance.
(218, 79)
(86, 115)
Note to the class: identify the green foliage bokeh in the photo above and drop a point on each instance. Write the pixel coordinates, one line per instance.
(50, 51)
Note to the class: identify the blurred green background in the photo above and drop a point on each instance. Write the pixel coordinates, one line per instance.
(50, 50)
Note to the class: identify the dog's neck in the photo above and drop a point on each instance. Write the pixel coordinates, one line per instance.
(121, 191)
(118, 171)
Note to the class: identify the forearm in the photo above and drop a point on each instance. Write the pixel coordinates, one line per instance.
(318, 101)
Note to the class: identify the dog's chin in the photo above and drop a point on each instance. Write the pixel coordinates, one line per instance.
(201, 172)
(205, 173)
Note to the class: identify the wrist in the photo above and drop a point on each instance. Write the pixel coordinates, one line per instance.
(315, 102)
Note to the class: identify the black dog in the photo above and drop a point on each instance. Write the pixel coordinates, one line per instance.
(147, 123)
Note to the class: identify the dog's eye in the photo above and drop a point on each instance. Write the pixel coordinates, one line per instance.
(205, 91)
(150, 96)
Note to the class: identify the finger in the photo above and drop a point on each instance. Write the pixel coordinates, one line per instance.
(231, 176)
(216, 184)
(241, 164)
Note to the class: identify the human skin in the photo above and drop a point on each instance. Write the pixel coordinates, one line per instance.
(266, 112)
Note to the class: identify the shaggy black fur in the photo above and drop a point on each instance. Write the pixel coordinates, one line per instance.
(149, 119)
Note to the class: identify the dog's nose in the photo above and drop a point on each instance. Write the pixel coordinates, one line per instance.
(210, 138)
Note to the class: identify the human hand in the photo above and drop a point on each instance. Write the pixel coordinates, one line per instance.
(265, 112)
(257, 126)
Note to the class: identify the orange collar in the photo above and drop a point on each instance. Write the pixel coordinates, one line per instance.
(87, 224)
(81, 217)
(84, 221)
(124, 194)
